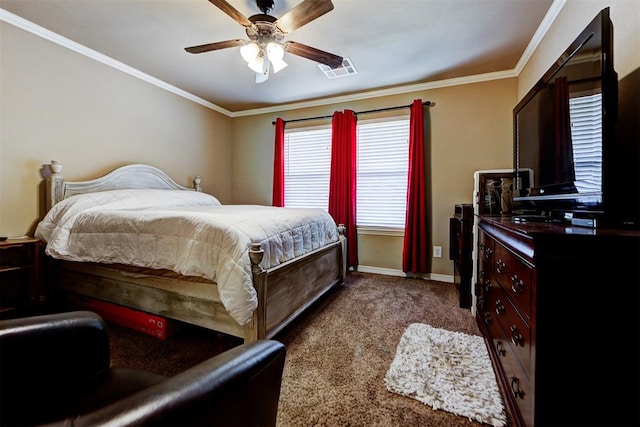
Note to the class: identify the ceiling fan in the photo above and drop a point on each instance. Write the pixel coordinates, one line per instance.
(265, 48)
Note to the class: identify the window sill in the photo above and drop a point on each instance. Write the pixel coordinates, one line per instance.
(381, 231)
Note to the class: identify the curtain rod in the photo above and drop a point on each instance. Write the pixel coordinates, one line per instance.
(426, 103)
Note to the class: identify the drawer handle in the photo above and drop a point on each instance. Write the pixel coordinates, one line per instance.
(517, 284)
(487, 286)
(487, 317)
(500, 349)
(516, 337)
(499, 308)
(515, 388)
(500, 266)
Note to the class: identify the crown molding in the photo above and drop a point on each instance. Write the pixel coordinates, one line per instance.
(383, 92)
(542, 30)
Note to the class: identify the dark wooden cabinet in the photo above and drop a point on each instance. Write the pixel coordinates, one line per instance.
(559, 309)
(460, 251)
(20, 281)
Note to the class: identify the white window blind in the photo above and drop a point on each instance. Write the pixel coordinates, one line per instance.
(586, 138)
(307, 163)
(383, 152)
(383, 159)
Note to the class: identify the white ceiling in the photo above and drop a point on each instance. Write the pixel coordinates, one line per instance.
(392, 43)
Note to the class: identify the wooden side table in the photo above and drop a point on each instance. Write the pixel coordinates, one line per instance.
(20, 280)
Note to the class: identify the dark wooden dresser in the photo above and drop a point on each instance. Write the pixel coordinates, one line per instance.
(559, 309)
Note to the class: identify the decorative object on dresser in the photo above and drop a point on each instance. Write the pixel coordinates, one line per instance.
(493, 191)
(446, 370)
(181, 254)
(559, 308)
(460, 248)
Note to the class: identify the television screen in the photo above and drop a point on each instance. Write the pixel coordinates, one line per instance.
(560, 129)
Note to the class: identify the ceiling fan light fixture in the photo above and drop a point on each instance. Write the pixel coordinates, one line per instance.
(257, 64)
(275, 53)
(250, 52)
(278, 65)
(266, 33)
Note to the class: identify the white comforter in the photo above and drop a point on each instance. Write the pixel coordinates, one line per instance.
(188, 232)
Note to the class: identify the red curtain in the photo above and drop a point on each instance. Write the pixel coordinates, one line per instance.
(415, 253)
(342, 182)
(277, 199)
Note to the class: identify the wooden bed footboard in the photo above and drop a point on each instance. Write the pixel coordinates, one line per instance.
(287, 290)
(283, 292)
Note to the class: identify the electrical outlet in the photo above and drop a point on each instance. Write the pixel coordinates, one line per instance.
(437, 251)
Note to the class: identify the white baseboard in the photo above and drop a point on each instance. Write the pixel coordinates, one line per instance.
(399, 273)
(441, 277)
(378, 270)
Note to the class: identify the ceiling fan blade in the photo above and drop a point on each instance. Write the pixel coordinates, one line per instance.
(302, 14)
(314, 54)
(214, 46)
(232, 12)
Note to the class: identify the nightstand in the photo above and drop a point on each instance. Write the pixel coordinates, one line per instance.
(460, 248)
(20, 281)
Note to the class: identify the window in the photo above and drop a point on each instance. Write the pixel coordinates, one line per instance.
(383, 154)
(586, 138)
(383, 161)
(307, 163)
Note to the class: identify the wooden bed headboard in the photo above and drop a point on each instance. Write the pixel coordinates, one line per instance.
(124, 177)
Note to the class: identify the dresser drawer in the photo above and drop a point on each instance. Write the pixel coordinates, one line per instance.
(485, 270)
(515, 277)
(488, 314)
(518, 385)
(515, 329)
(485, 247)
(516, 382)
(485, 257)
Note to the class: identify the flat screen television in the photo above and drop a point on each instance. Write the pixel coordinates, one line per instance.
(563, 131)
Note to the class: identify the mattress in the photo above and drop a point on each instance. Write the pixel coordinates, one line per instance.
(187, 232)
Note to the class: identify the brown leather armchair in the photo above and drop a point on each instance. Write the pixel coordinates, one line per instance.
(55, 369)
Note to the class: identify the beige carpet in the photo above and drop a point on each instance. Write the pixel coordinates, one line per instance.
(338, 352)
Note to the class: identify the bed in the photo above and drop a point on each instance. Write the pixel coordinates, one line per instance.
(136, 238)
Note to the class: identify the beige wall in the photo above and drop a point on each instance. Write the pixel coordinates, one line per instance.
(470, 130)
(59, 105)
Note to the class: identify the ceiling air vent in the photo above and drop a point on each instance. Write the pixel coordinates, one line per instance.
(346, 69)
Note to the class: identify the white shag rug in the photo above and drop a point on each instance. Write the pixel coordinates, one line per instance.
(447, 370)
